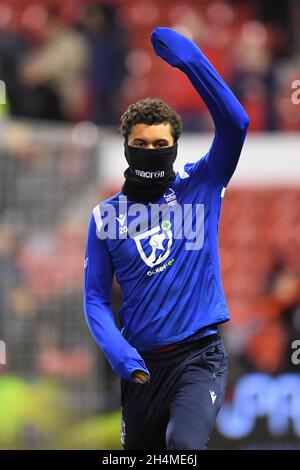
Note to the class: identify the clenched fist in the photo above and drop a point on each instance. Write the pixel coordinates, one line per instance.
(140, 376)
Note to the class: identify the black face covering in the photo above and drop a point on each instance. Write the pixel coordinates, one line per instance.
(149, 173)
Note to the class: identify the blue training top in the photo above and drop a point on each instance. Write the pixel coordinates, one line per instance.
(170, 282)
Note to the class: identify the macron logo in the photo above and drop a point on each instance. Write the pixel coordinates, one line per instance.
(213, 396)
(150, 174)
(121, 219)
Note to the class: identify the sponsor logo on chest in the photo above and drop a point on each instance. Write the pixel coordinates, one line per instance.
(150, 174)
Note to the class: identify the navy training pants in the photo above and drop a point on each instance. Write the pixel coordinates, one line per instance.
(177, 409)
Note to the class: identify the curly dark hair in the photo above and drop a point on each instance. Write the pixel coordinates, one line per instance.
(150, 111)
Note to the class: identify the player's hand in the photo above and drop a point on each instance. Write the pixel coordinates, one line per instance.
(140, 376)
(173, 47)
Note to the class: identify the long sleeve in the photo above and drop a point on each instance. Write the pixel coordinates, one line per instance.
(230, 119)
(98, 278)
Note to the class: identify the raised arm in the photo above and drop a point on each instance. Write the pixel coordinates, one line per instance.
(230, 118)
(98, 278)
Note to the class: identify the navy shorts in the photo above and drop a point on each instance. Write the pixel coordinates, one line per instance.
(177, 409)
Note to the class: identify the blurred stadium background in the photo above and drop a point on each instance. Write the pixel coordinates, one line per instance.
(70, 69)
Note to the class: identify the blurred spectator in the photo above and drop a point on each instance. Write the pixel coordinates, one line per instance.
(53, 74)
(253, 76)
(13, 46)
(108, 50)
(288, 291)
(269, 347)
(17, 319)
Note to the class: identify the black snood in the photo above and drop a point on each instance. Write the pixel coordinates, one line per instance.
(149, 173)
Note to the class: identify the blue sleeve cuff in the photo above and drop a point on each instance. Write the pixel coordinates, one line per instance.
(126, 369)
